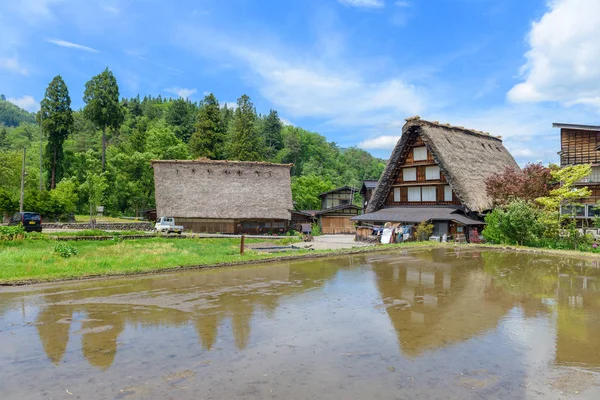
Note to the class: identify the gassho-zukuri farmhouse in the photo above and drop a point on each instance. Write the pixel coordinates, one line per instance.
(224, 196)
(437, 173)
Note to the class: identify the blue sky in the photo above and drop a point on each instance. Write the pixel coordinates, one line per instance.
(352, 70)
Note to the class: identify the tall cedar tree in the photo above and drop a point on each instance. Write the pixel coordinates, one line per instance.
(3, 138)
(57, 123)
(245, 142)
(180, 115)
(209, 137)
(271, 132)
(102, 105)
(528, 184)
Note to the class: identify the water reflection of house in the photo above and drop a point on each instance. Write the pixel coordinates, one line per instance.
(433, 305)
(578, 322)
(204, 299)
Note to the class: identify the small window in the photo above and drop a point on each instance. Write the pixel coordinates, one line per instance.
(459, 229)
(432, 173)
(414, 194)
(420, 153)
(447, 193)
(409, 174)
(344, 201)
(429, 193)
(396, 195)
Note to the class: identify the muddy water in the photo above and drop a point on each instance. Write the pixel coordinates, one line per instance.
(428, 324)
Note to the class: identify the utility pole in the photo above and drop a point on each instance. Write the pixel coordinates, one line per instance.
(23, 180)
(41, 155)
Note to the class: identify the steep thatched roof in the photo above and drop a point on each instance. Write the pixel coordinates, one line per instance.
(222, 189)
(466, 157)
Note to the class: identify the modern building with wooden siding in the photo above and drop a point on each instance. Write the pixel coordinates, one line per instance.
(580, 144)
(437, 173)
(224, 196)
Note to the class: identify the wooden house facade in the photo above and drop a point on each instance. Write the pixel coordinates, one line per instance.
(366, 191)
(580, 144)
(437, 173)
(224, 196)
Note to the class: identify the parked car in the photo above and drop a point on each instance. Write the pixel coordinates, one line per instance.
(167, 224)
(31, 221)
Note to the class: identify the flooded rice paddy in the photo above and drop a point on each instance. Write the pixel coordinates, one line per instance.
(426, 324)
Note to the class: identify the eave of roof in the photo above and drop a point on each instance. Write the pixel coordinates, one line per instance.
(337, 208)
(418, 214)
(576, 126)
(338, 190)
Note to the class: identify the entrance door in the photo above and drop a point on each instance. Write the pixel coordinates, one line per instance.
(441, 228)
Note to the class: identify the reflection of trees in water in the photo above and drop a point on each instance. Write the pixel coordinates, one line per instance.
(450, 299)
(574, 287)
(236, 294)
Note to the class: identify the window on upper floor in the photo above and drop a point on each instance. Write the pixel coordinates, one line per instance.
(414, 194)
(429, 193)
(397, 195)
(447, 193)
(420, 153)
(409, 174)
(432, 173)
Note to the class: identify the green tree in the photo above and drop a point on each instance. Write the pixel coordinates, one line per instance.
(567, 195)
(209, 137)
(57, 122)
(306, 190)
(164, 145)
(180, 116)
(66, 194)
(271, 132)
(245, 142)
(94, 186)
(3, 138)
(102, 105)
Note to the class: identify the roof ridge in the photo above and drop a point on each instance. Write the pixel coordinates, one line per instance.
(416, 120)
(224, 162)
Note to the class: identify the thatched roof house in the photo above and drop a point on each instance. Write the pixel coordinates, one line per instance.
(224, 196)
(437, 165)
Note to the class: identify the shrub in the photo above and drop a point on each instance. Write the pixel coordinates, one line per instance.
(316, 230)
(517, 223)
(474, 237)
(65, 250)
(424, 231)
(12, 233)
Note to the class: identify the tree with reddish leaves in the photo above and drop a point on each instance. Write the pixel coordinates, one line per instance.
(527, 184)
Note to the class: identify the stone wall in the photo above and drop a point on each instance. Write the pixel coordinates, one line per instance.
(105, 226)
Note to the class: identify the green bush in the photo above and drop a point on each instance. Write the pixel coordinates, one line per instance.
(65, 250)
(316, 230)
(517, 223)
(424, 231)
(12, 233)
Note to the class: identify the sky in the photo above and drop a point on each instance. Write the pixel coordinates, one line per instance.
(351, 70)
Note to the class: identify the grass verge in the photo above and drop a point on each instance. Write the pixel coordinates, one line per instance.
(25, 262)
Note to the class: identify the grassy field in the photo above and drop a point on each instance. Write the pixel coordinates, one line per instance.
(91, 232)
(31, 261)
(86, 218)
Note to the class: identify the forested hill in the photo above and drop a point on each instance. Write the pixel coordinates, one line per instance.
(162, 128)
(11, 115)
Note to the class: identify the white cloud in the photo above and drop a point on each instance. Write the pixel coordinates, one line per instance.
(26, 102)
(363, 3)
(563, 62)
(71, 45)
(181, 92)
(305, 87)
(286, 121)
(12, 65)
(379, 143)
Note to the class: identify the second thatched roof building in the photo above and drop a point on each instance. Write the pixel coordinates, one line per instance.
(224, 196)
